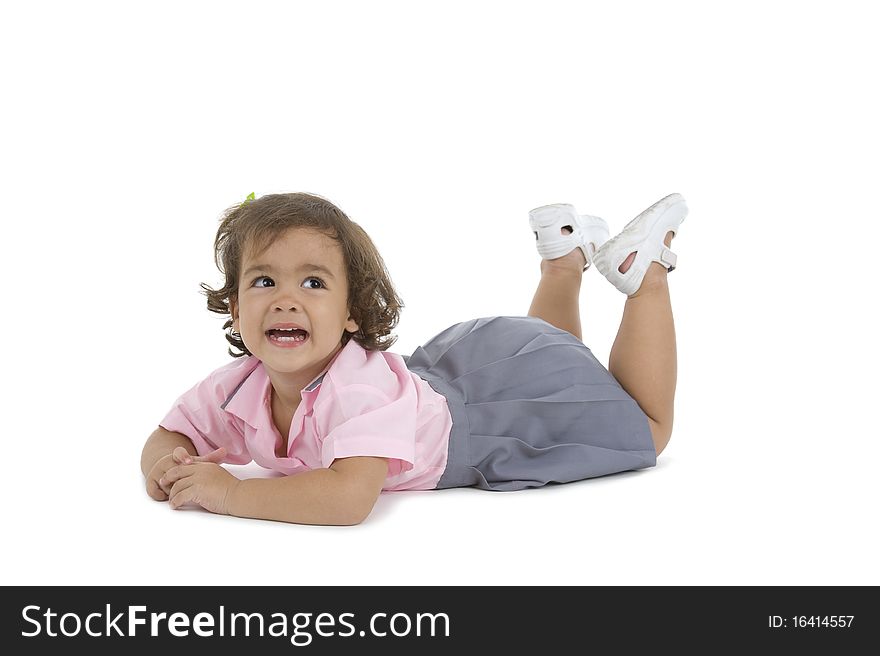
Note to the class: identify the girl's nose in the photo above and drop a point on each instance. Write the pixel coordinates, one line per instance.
(287, 299)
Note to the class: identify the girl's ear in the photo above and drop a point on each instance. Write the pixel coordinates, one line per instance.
(351, 326)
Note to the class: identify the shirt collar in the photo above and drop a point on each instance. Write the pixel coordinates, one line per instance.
(251, 400)
(247, 401)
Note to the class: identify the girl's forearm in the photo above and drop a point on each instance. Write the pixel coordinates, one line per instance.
(319, 496)
(160, 444)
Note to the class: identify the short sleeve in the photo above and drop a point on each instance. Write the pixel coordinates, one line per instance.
(198, 414)
(360, 420)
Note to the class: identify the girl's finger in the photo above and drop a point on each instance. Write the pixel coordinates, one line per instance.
(181, 456)
(155, 490)
(182, 493)
(175, 474)
(216, 456)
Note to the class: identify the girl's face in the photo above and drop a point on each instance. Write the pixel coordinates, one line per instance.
(298, 282)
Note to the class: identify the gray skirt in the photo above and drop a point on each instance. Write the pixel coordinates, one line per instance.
(530, 405)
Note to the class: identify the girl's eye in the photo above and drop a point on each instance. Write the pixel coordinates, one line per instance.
(256, 282)
(308, 281)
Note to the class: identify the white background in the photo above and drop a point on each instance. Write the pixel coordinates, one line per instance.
(127, 131)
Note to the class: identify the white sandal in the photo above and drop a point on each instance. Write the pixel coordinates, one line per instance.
(587, 232)
(645, 236)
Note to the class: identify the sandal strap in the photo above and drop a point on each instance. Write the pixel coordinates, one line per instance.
(668, 259)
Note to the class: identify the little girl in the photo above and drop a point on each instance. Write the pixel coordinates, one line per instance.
(499, 403)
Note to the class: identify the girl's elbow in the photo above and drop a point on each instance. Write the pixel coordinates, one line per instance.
(350, 517)
(355, 494)
(358, 513)
(357, 510)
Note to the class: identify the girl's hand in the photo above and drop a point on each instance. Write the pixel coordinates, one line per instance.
(202, 482)
(157, 487)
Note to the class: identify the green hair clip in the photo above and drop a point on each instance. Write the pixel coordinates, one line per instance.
(249, 198)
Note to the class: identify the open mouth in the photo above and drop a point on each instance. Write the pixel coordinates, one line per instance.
(287, 337)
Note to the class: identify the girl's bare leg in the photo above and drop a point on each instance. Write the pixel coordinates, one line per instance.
(556, 300)
(643, 357)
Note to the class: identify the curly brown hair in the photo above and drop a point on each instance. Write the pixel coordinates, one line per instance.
(372, 300)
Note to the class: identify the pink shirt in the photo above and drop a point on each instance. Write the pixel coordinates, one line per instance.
(367, 403)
